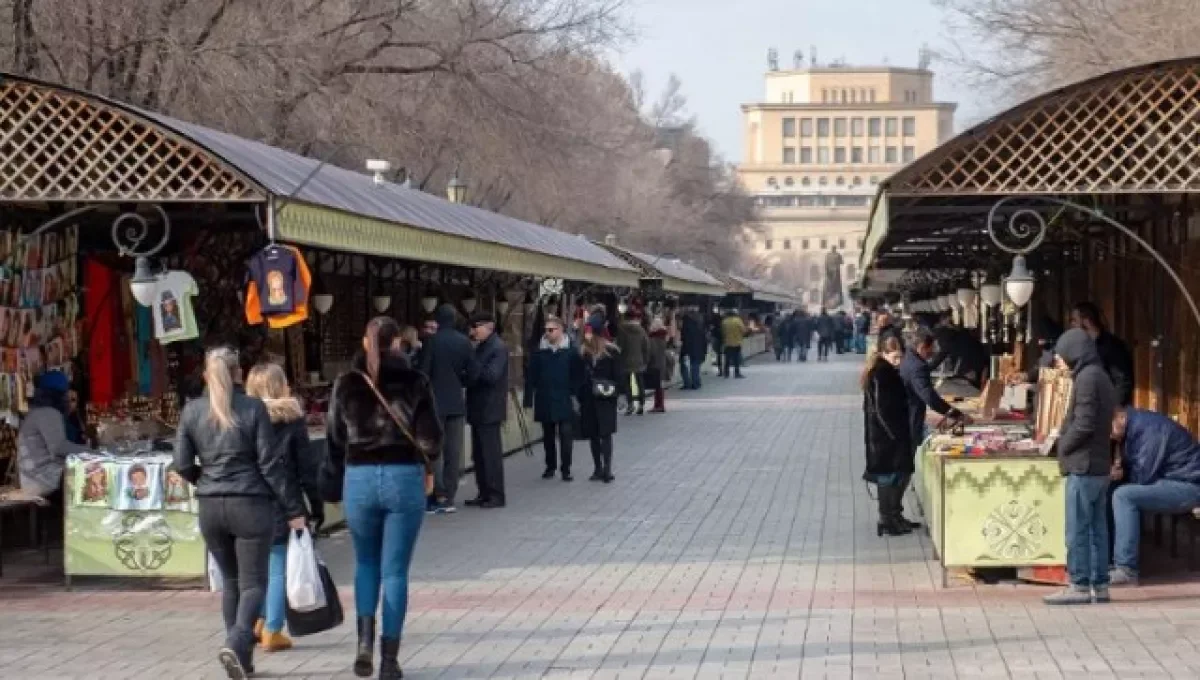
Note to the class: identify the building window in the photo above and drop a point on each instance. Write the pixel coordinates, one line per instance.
(908, 154)
(875, 127)
(824, 245)
(822, 127)
(853, 96)
(804, 181)
(842, 243)
(910, 126)
(839, 127)
(789, 127)
(892, 127)
(805, 155)
(822, 180)
(767, 245)
(891, 155)
(856, 154)
(787, 244)
(874, 180)
(789, 155)
(860, 244)
(839, 154)
(806, 127)
(788, 181)
(843, 96)
(804, 244)
(840, 181)
(872, 97)
(771, 182)
(873, 155)
(824, 96)
(857, 181)
(856, 127)
(822, 154)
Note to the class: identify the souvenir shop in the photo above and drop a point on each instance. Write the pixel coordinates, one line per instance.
(144, 240)
(1059, 200)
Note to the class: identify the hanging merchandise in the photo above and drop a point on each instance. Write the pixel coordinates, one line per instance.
(174, 319)
(277, 287)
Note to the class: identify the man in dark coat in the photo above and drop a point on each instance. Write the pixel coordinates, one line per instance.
(487, 407)
(1160, 464)
(635, 349)
(962, 353)
(918, 382)
(804, 333)
(1114, 353)
(448, 359)
(551, 381)
(693, 350)
(1085, 459)
(826, 328)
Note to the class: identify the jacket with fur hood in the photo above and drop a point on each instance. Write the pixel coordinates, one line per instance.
(300, 462)
(361, 431)
(1083, 441)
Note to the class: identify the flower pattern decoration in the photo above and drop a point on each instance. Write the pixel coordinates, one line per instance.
(1015, 531)
(143, 542)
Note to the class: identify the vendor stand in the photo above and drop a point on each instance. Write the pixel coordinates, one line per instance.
(194, 206)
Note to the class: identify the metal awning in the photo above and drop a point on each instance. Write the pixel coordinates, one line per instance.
(765, 291)
(676, 276)
(108, 151)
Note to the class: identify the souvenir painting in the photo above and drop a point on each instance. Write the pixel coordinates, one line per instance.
(54, 353)
(9, 358)
(177, 494)
(33, 253)
(72, 240)
(66, 279)
(12, 336)
(139, 486)
(5, 320)
(49, 285)
(93, 484)
(24, 329)
(14, 292)
(53, 252)
(33, 361)
(4, 404)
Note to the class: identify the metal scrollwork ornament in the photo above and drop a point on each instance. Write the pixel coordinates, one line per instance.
(130, 229)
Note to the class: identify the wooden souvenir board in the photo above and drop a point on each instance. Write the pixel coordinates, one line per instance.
(1053, 396)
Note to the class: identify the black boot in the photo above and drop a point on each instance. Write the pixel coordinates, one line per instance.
(597, 467)
(889, 520)
(389, 668)
(608, 475)
(364, 658)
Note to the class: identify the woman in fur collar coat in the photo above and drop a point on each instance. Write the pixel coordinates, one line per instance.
(268, 383)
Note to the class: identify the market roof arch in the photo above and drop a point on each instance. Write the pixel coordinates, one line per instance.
(58, 144)
(1132, 131)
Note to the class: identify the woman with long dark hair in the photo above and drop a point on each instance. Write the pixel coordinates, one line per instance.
(603, 379)
(889, 453)
(225, 450)
(383, 431)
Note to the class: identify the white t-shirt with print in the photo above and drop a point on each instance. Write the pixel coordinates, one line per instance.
(174, 319)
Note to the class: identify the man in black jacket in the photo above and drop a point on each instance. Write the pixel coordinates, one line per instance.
(694, 348)
(448, 360)
(918, 381)
(1114, 353)
(1085, 459)
(487, 407)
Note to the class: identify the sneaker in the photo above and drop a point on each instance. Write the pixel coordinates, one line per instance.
(1122, 576)
(548, 474)
(446, 508)
(1070, 595)
(1100, 595)
(235, 669)
(430, 505)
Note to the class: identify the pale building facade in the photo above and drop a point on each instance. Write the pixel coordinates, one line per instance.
(815, 151)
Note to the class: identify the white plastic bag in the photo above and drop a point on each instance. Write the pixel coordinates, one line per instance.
(216, 582)
(304, 590)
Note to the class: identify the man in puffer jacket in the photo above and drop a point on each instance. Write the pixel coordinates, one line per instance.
(1085, 460)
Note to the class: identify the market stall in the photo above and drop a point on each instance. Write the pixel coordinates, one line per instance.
(142, 240)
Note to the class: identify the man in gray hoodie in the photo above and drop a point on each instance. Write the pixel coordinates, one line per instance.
(1085, 458)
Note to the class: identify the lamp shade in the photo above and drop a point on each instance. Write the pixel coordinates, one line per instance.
(529, 307)
(429, 303)
(381, 303)
(143, 284)
(469, 304)
(966, 296)
(322, 302)
(990, 294)
(1019, 284)
(502, 306)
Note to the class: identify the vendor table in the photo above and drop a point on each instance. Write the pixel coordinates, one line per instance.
(1005, 509)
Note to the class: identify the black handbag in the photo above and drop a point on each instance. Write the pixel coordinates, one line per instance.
(318, 620)
(604, 389)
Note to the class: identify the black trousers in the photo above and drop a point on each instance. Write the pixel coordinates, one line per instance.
(733, 361)
(602, 452)
(823, 346)
(487, 453)
(238, 531)
(557, 436)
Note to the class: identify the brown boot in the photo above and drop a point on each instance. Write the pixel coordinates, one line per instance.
(275, 642)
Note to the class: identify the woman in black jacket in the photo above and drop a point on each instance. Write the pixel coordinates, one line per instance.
(889, 452)
(268, 383)
(226, 448)
(603, 378)
(383, 432)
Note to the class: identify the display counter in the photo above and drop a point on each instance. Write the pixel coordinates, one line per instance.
(1000, 509)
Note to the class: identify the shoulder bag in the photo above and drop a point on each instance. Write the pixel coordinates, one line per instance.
(422, 448)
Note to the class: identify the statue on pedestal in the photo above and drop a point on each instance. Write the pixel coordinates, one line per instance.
(831, 296)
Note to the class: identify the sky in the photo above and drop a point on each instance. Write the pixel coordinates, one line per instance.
(718, 49)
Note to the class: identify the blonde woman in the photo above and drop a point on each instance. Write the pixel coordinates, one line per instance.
(268, 383)
(225, 449)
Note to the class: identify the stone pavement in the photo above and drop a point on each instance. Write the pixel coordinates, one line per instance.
(737, 542)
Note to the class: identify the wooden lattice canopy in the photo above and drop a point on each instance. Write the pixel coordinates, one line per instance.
(61, 145)
(1131, 131)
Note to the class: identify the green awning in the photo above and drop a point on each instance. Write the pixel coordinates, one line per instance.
(336, 230)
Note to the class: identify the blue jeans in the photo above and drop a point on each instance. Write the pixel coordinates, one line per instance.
(1130, 500)
(275, 604)
(1087, 530)
(690, 370)
(384, 507)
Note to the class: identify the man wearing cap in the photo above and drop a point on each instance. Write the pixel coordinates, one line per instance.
(487, 407)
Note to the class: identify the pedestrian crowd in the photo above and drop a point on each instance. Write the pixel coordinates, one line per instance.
(1118, 461)
(792, 334)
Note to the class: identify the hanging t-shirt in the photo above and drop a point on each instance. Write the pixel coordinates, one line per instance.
(255, 307)
(174, 319)
(274, 271)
